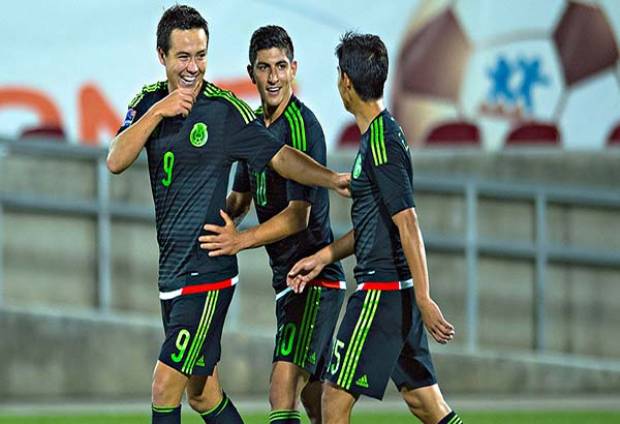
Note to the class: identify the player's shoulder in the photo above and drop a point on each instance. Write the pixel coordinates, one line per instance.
(149, 93)
(386, 135)
(297, 107)
(303, 124)
(386, 127)
(228, 98)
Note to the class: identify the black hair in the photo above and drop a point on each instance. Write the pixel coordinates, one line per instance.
(363, 57)
(270, 36)
(178, 17)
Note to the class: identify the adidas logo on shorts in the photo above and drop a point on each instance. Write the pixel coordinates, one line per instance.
(362, 381)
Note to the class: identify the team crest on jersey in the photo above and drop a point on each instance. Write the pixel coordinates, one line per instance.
(131, 114)
(357, 167)
(199, 134)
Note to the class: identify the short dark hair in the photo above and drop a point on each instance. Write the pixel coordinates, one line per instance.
(270, 36)
(178, 17)
(363, 57)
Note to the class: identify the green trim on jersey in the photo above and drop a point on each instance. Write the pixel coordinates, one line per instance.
(377, 142)
(258, 111)
(201, 333)
(297, 125)
(356, 343)
(211, 90)
(307, 326)
(150, 88)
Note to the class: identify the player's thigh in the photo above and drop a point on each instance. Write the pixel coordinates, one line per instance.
(306, 324)
(194, 330)
(414, 368)
(368, 343)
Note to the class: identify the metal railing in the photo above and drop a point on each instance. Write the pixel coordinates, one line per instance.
(104, 210)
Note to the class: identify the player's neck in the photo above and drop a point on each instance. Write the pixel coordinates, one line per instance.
(270, 113)
(366, 112)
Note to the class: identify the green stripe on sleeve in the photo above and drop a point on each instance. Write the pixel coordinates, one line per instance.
(302, 127)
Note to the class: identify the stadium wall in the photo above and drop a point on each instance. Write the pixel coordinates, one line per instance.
(56, 334)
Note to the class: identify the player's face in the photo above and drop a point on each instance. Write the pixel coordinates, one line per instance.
(186, 60)
(273, 73)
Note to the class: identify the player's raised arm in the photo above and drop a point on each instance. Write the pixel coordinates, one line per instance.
(295, 165)
(415, 253)
(126, 146)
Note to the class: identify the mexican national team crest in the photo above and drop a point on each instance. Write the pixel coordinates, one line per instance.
(199, 135)
(357, 167)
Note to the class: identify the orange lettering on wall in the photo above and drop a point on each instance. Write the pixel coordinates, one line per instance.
(33, 100)
(96, 115)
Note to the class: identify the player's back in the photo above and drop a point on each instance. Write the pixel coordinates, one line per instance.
(381, 185)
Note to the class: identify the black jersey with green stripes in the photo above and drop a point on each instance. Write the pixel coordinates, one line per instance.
(381, 186)
(189, 165)
(299, 128)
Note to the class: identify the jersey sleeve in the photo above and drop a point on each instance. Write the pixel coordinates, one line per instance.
(136, 108)
(241, 184)
(252, 143)
(316, 150)
(391, 165)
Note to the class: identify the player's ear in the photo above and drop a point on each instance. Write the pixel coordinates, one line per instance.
(294, 68)
(346, 80)
(251, 73)
(161, 55)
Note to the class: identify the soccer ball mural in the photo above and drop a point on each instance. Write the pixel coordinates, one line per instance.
(492, 73)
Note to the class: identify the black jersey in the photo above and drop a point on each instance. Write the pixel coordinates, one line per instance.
(299, 128)
(189, 165)
(381, 186)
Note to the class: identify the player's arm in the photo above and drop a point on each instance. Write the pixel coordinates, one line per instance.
(126, 146)
(415, 253)
(306, 269)
(238, 205)
(297, 166)
(227, 240)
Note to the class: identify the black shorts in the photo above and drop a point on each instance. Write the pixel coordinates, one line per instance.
(193, 327)
(306, 324)
(381, 336)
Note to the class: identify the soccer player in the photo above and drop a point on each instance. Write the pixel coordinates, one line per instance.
(294, 222)
(193, 131)
(382, 333)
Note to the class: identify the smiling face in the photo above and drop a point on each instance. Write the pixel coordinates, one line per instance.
(273, 73)
(186, 59)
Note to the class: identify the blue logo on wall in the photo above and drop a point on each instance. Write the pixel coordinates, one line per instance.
(513, 83)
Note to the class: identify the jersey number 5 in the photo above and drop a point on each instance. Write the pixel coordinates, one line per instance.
(335, 362)
(168, 165)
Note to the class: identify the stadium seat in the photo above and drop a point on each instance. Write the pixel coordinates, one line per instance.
(534, 134)
(454, 134)
(349, 137)
(53, 133)
(614, 137)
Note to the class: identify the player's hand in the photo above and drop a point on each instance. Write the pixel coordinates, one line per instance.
(343, 184)
(225, 240)
(441, 330)
(304, 271)
(178, 102)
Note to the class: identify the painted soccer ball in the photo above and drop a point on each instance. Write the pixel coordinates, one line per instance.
(492, 73)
